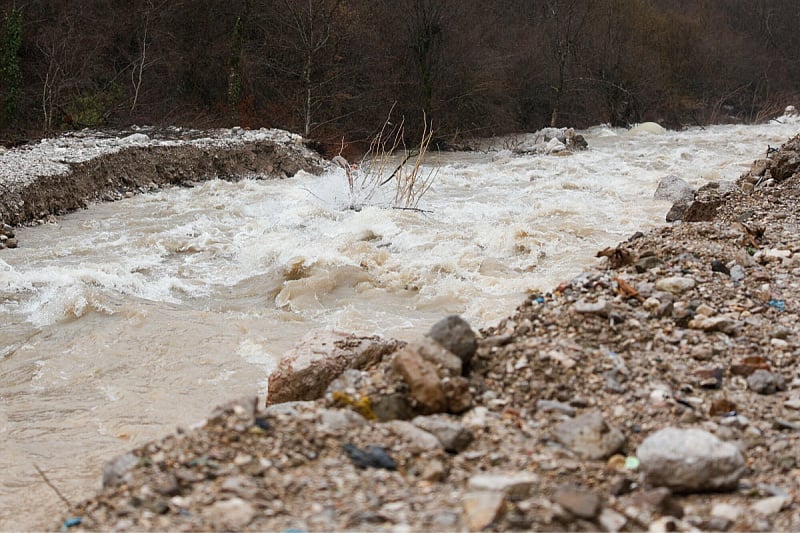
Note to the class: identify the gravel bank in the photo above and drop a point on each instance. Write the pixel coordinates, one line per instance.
(661, 392)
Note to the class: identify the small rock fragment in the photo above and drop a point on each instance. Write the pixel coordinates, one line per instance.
(590, 436)
(765, 382)
(515, 485)
(580, 502)
(454, 437)
(482, 508)
(675, 284)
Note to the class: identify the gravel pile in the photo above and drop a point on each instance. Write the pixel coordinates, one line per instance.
(661, 392)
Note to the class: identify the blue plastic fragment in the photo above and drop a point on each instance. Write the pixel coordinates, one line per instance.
(780, 305)
(71, 522)
(539, 299)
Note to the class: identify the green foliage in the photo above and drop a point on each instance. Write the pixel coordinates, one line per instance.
(10, 73)
(91, 108)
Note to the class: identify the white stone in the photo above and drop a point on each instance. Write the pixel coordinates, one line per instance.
(690, 460)
(516, 485)
(230, 514)
(675, 284)
(770, 506)
(652, 128)
(726, 511)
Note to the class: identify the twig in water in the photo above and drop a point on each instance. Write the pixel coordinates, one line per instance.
(55, 489)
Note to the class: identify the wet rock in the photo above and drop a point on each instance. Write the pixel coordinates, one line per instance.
(421, 376)
(515, 485)
(306, 370)
(676, 212)
(699, 211)
(369, 457)
(235, 513)
(690, 460)
(482, 509)
(455, 335)
(453, 436)
(675, 284)
(674, 189)
(579, 502)
(590, 436)
(765, 382)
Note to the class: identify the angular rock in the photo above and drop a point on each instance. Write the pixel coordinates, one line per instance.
(419, 438)
(433, 352)
(674, 189)
(482, 509)
(600, 308)
(307, 369)
(422, 379)
(455, 335)
(590, 436)
(580, 502)
(453, 436)
(690, 460)
(676, 212)
(723, 323)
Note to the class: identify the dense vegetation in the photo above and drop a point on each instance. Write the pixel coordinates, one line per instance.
(332, 69)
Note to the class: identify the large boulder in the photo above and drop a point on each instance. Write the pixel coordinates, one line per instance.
(674, 189)
(690, 460)
(307, 369)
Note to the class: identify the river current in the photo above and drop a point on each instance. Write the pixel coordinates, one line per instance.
(127, 319)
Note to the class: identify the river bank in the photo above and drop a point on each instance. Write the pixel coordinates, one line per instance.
(659, 392)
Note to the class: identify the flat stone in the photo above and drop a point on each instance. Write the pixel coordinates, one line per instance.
(689, 460)
(482, 508)
(770, 506)
(675, 284)
(306, 370)
(590, 436)
(417, 437)
(723, 323)
(600, 307)
(726, 511)
(515, 485)
(453, 436)
(579, 502)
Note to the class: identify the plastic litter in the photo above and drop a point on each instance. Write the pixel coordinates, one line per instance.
(369, 457)
(71, 522)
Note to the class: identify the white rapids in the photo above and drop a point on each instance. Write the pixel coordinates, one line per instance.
(124, 320)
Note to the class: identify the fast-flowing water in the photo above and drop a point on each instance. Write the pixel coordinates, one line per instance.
(125, 320)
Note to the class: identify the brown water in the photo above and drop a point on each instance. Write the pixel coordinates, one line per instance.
(125, 320)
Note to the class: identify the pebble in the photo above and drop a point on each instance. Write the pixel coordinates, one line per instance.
(590, 436)
(550, 405)
(453, 435)
(690, 460)
(726, 511)
(675, 284)
(600, 308)
(455, 334)
(418, 438)
(765, 382)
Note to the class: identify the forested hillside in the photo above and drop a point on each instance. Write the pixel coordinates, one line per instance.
(332, 69)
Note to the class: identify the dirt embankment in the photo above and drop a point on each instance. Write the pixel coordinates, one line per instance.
(140, 168)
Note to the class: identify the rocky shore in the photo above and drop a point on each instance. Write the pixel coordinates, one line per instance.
(658, 393)
(59, 175)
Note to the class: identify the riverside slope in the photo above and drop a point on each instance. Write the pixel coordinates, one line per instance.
(690, 326)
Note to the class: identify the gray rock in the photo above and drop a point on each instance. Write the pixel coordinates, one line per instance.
(235, 513)
(550, 405)
(690, 460)
(590, 436)
(765, 382)
(338, 422)
(600, 307)
(676, 212)
(453, 436)
(674, 189)
(455, 334)
(115, 471)
(417, 437)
